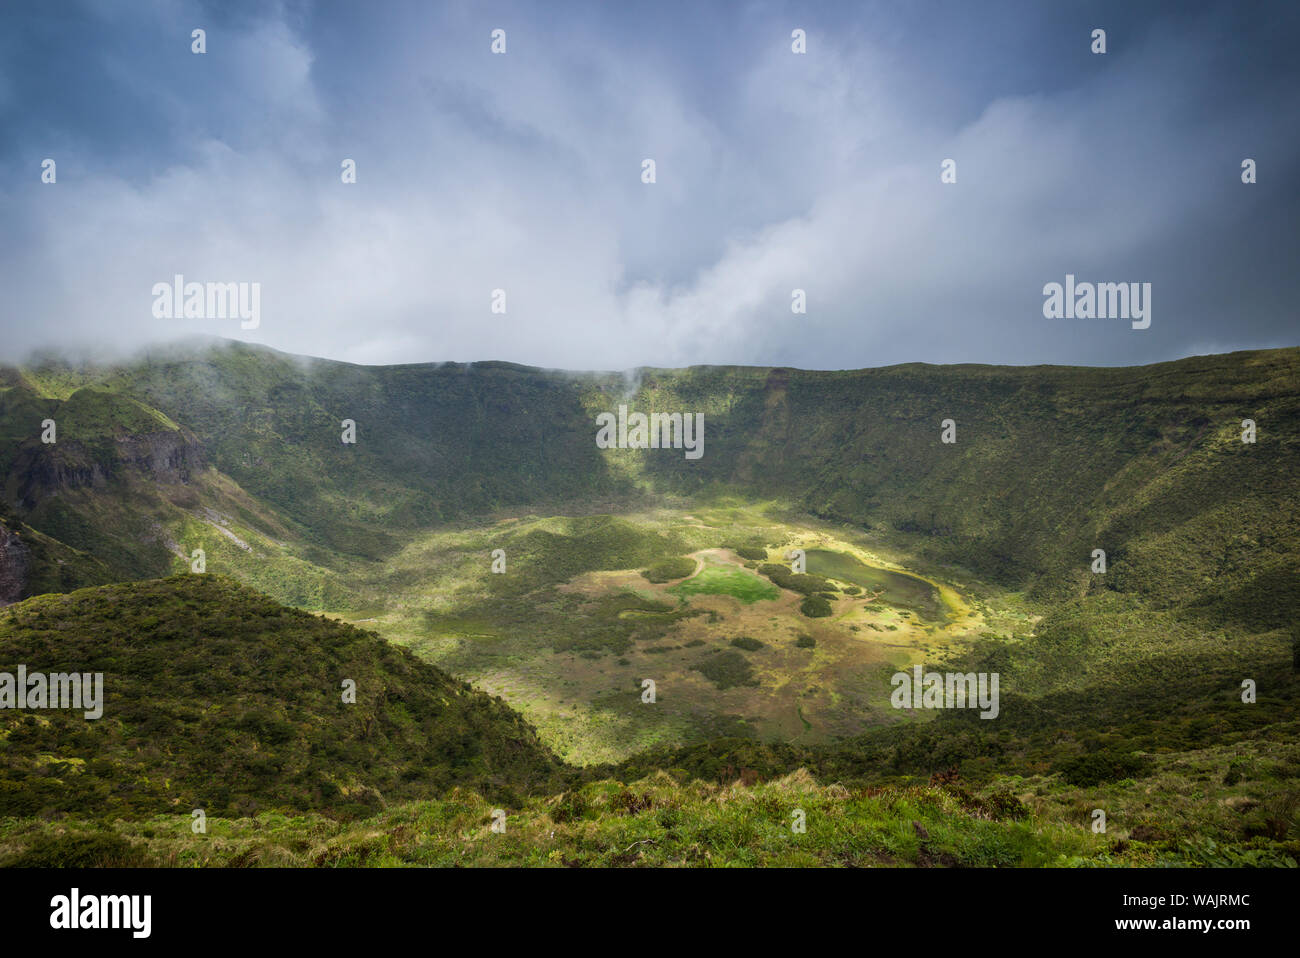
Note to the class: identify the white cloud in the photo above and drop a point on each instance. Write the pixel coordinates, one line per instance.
(522, 172)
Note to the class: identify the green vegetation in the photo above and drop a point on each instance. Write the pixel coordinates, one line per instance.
(669, 820)
(726, 669)
(654, 822)
(896, 588)
(815, 606)
(718, 580)
(669, 570)
(217, 698)
(1119, 691)
(795, 581)
(1096, 768)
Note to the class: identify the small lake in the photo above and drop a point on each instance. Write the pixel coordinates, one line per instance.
(900, 589)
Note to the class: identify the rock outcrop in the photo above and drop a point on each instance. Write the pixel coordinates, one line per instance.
(41, 471)
(14, 563)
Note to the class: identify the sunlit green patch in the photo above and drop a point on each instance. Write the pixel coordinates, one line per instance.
(723, 580)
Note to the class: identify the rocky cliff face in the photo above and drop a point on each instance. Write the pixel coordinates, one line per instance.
(163, 456)
(14, 563)
(40, 471)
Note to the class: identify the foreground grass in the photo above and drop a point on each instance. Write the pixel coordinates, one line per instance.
(1216, 807)
(653, 822)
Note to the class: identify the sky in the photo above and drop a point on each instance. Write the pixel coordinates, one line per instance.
(775, 171)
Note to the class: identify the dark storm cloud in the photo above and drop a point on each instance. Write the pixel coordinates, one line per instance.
(775, 171)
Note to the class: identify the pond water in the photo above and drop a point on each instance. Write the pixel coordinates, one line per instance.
(900, 588)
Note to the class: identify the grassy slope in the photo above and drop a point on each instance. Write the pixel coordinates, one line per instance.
(218, 698)
(667, 820)
(654, 822)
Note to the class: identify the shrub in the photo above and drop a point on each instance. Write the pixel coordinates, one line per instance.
(726, 669)
(1103, 766)
(569, 807)
(96, 850)
(815, 607)
(1237, 770)
(666, 570)
(795, 581)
